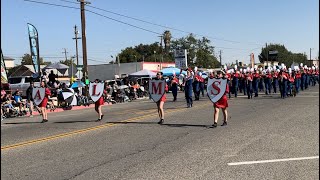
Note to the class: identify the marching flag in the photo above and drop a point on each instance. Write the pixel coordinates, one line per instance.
(34, 47)
(4, 78)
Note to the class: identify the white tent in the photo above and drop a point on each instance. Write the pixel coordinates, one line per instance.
(143, 73)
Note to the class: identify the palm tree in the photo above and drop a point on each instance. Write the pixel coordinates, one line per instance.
(167, 39)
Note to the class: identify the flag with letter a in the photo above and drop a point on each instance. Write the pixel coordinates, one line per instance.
(38, 95)
(216, 88)
(157, 89)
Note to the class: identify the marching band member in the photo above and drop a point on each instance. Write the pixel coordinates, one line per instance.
(283, 83)
(201, 84)
(297, 80)
(43, 104)
(255, 82)
(267, 82)
(222, 103)
(291, 89)
(162, 100)
(228, 76)
(196, 86)
(249, 80)
(188, 88)
(275, 81)
(98, 104)
(235, 83)
(174, 86)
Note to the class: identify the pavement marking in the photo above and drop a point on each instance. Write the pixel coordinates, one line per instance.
(30, 142)
(270, 161)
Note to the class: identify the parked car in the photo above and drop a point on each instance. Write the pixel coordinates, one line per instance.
(22, 83)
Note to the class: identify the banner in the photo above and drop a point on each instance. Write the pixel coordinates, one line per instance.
(216, 88)
(157, 89)
(34, 47)
(4, 78)
(180, 58)
(96, 91)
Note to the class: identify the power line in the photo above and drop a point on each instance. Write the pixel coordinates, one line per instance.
(124, 22)
(144, 29)
(167, 27)
(51, 4)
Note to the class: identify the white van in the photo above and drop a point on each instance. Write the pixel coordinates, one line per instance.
(22, 83)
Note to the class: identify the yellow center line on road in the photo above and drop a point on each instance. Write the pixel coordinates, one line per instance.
(21, 144)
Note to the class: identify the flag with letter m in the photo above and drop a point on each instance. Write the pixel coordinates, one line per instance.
(157, 89)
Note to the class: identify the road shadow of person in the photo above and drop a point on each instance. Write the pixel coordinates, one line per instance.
(132, 122)
(23, 122)
(66, 122)
(185, 125)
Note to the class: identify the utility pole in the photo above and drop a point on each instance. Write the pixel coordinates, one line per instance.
(76, 32)
(267, 55)
(161, 52)
(310, 54)
(65, 53)
(220, 60)
(84, 42)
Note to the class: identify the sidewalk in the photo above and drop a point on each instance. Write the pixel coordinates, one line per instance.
(71, 108)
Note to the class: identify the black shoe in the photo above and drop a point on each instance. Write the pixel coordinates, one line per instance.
(161, 121)
(214, 125)
(98, 120)
(224, 123)
(44, 120)
(102, 116)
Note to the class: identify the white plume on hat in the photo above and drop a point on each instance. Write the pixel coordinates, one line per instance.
(289, 70)
(240, 69)
(248, 68)
(278, 70)
(274, 67)
(244, 71)
(305, 67)
(301, 64)
(252, 69)
(255, 66)
(195, 68)
(225, 67)
(296, 68)
(235, 66)
(260, 69)
(313, 68)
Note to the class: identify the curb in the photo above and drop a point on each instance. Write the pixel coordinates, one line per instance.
(72, 108)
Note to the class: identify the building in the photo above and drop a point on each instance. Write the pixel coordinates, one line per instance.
(9, 62)
(110, 71)
(313, 63)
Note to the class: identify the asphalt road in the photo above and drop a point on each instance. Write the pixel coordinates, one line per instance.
(262, 138)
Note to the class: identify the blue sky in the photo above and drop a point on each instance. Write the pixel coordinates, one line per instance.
(251, 23)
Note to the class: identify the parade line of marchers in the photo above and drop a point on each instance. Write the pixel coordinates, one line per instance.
(217, 89)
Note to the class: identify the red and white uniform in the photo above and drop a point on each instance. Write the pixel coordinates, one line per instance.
(101, 99)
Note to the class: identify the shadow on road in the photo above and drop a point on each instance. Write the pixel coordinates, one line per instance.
(185, 125)
(132, 122)
(74, 121)
(23, 122)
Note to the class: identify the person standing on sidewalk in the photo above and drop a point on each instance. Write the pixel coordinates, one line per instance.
(43, 104)
(30, 98)
(222, 103)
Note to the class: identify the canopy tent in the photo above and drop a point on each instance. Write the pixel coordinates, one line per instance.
(169, 71)
(143, 73)
(62, 68)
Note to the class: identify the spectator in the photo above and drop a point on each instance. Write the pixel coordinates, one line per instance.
(52, 77)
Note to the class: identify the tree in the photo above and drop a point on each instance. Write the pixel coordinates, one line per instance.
(284, 56)
(27, 60)
(68, 62)
(167, 40)
(200, 52)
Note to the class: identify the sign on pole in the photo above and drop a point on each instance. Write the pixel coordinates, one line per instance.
(180, 57)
